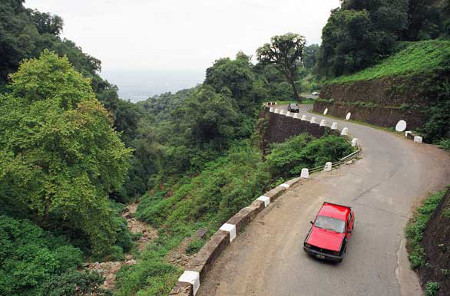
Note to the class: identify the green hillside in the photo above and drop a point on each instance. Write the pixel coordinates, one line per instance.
(415, 58)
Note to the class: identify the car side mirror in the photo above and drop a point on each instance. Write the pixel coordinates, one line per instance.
(311, 222)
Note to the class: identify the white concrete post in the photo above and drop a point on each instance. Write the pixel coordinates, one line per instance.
(328, 166)
(271, 109)
(325, 111)
(231, 229)
(289, 114)
(344, 131)
(277, 111)
(313, 119)
(264, 199)
(323, 122)
(192, 277)
(347, 117)
(334, 126)
(407, 133)
(354, 142)
(418, 139)
(296, 115)
(304, 118)
(283, 112)
(304, 174)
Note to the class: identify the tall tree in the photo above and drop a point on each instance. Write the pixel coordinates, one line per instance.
(59, 155)
(286, 53)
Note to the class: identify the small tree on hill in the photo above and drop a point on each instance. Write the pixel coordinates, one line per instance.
(285, 52)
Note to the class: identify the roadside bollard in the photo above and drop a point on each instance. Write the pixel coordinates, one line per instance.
(418, 139)
(407, 133)
(304, 174)
(296, 115)
(344, 132)
(304, 118)
(313, 119)
(283, 112)
(354, 142)
(323, 122)
(277, 111)
(334, 126)
(271, 109)
(328, 167)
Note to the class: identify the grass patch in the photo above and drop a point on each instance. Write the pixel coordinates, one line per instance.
(304, 101)
(416, 226)
(417, 58)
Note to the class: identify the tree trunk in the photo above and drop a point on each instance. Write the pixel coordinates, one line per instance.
(294, 89)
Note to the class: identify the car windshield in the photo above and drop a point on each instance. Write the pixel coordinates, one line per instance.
(330, 224)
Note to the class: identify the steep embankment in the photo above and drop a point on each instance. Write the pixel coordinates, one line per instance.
(435, 242)
(403, 86)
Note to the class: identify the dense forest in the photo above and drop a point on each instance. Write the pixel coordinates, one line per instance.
(73, 153)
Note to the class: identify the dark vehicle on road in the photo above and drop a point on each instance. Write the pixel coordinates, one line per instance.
(330, 231)
(293, 108)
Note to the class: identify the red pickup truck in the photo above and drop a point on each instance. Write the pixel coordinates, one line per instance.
(330, 231)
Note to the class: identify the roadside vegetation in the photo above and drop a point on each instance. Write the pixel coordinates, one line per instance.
(427, 235)
(423, 57)
(415, 229)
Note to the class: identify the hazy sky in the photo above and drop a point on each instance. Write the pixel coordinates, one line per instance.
(181, 35)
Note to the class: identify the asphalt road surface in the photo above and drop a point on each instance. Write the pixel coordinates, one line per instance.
(383, 188)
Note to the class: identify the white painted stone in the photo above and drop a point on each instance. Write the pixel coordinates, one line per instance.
(304, 174)
(289, 114)
(344, 132)
(407, 133)
(296, 115)
(347, 117)
(283, 112)
(285, 185)
(328, 166)
(277, 111)
(401, 126)
(192, 277)
(265, 199)
(271, 109)
(354, 142)
(418, 139)
(334, 126)
(304, 118)
(313, 119)
(323, 122)
(325, 111)
(231, 229)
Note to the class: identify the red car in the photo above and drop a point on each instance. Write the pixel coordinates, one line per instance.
(330, 231)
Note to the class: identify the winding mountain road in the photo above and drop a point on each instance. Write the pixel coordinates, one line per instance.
(383, 187)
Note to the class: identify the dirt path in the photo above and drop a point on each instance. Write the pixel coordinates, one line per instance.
(109, 269)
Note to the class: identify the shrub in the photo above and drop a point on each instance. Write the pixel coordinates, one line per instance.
(194, 246)
(432, 289)
(415, 228)
(32, 260)
(288, 158)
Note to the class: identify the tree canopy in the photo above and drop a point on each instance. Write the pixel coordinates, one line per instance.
(362, 32)
(59, 155)
(286, 53)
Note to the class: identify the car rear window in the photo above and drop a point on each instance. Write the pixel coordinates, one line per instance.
(330, 224)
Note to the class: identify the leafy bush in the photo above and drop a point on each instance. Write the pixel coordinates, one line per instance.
(432, 288)
(194, 246)
(34, 262)
(74, 283)
(415, 228)
(445, 144)
(287, 159)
